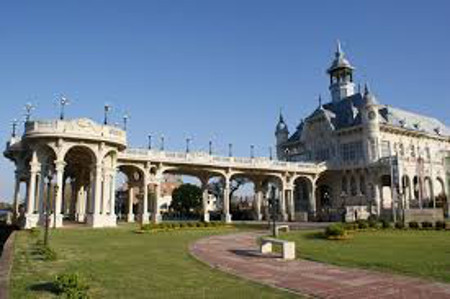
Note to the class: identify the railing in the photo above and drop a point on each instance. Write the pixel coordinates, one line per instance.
(204, 158)
(79, 128)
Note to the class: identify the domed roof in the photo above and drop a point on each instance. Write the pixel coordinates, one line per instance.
(339, 61)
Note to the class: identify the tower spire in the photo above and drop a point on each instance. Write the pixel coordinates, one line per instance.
(339, 51)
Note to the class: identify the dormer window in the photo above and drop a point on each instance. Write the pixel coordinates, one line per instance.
(417, 126)
(402, 123)
(437, 130)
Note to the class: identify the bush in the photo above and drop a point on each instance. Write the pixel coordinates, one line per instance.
(373, 218)
(335, 231)
(427, 225)
(35, 232)
(385, 224)
(351, 226)
(70, 285)
(399, 225)
(440, 225)
(413, 225)
(45, 252)
(362, 224)
(373, 224)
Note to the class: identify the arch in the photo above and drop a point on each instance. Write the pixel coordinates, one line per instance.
(303, 194)
(80, 147)
(406, 191)
(440, 194)
(428, 192)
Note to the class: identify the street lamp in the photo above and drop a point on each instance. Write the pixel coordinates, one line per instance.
(54, 204)
(107, 108)
(14, 128)
(63, 102)
(162, 142)
(125, 117)
(270, 153)
(252, 151)
(230, 150)
(210, 147)
(287, 151)
(47, 205)
(29, 107)
(273, 208)
(188, 141)
(149, 141)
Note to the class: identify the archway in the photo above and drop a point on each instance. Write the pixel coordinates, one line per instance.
(440, 195)
(324, 194)
(129, 192)
(304, 202)
(77, 189)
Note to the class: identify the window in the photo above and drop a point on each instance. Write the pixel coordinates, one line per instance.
(344, 185)
(385, 148)
(362, 185)
(353, 188)
(352, 151)
(412, 151)
(401, 149)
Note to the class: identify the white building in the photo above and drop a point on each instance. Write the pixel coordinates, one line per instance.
(357, 136)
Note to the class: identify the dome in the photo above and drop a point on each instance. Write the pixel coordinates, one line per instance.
(339, 62)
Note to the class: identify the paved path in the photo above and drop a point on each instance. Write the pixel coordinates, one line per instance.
(238, 254)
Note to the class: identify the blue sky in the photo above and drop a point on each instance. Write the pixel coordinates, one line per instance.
(215, 69)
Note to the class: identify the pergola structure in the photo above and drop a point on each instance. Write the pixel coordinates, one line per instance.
(82, 159)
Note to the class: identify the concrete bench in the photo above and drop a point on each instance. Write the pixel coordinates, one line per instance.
(278, 228)
(288, 247)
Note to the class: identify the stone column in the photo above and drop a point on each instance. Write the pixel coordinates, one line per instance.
(258, 201)
(284, 215)
(95, 218)
(16, 197)
(156, 215)
(58, 217)
(112, 196)
(205, 196)
(226, 201)
(377, 199)
(312, 200)
(106, 192)
(130, 215)
(290, 202)
(31, 191)
(81, 204)
(145, 215)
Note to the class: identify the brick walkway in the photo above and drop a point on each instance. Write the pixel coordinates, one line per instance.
(238, 254)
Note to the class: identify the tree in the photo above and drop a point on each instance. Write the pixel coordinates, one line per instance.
(187, 198)
(216, 187)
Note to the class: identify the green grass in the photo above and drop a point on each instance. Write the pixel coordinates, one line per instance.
(118, 263)
(415, 253)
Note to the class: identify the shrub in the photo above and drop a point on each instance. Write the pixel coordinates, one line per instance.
(427, 225)
(46, 253)
(183, 225)
(372, 218)
(362, 224)
(35, 232)
(440, 225)
(373, 224)
(351, 226)
(413, 225)
(399, 225)
(335, 231)
(385, 224)
(190, 224)
(70, 285)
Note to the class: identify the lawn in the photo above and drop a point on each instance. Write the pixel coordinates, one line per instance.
(118, 263)
(411, 252)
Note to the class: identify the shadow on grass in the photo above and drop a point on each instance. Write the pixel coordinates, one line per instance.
(47, 287)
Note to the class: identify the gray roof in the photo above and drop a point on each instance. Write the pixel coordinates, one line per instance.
(345, 114)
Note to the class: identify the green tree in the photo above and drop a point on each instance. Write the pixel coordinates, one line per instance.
(187, 198)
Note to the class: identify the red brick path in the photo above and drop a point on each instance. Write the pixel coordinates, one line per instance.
(238, 254)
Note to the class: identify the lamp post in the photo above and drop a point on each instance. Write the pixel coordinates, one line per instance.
(230, 150)
(188, 141)
(54, 204)
(29, 107)
(107, 108)
(63, 102)
(210, 147)
(252, 151)
(125, 118)
(149, 141)
(273, 206)
(47, 205)
(14, 128)
(287, 151)
(162, 143)
(270, 153)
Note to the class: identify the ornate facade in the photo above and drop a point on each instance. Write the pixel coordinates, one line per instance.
(380, 160)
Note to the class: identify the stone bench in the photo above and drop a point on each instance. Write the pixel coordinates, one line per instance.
(278, 228)
(287, 247)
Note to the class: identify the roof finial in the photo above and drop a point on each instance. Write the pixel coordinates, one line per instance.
(320, 100)
(281, 115)
(366, 88)
(339, 51)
